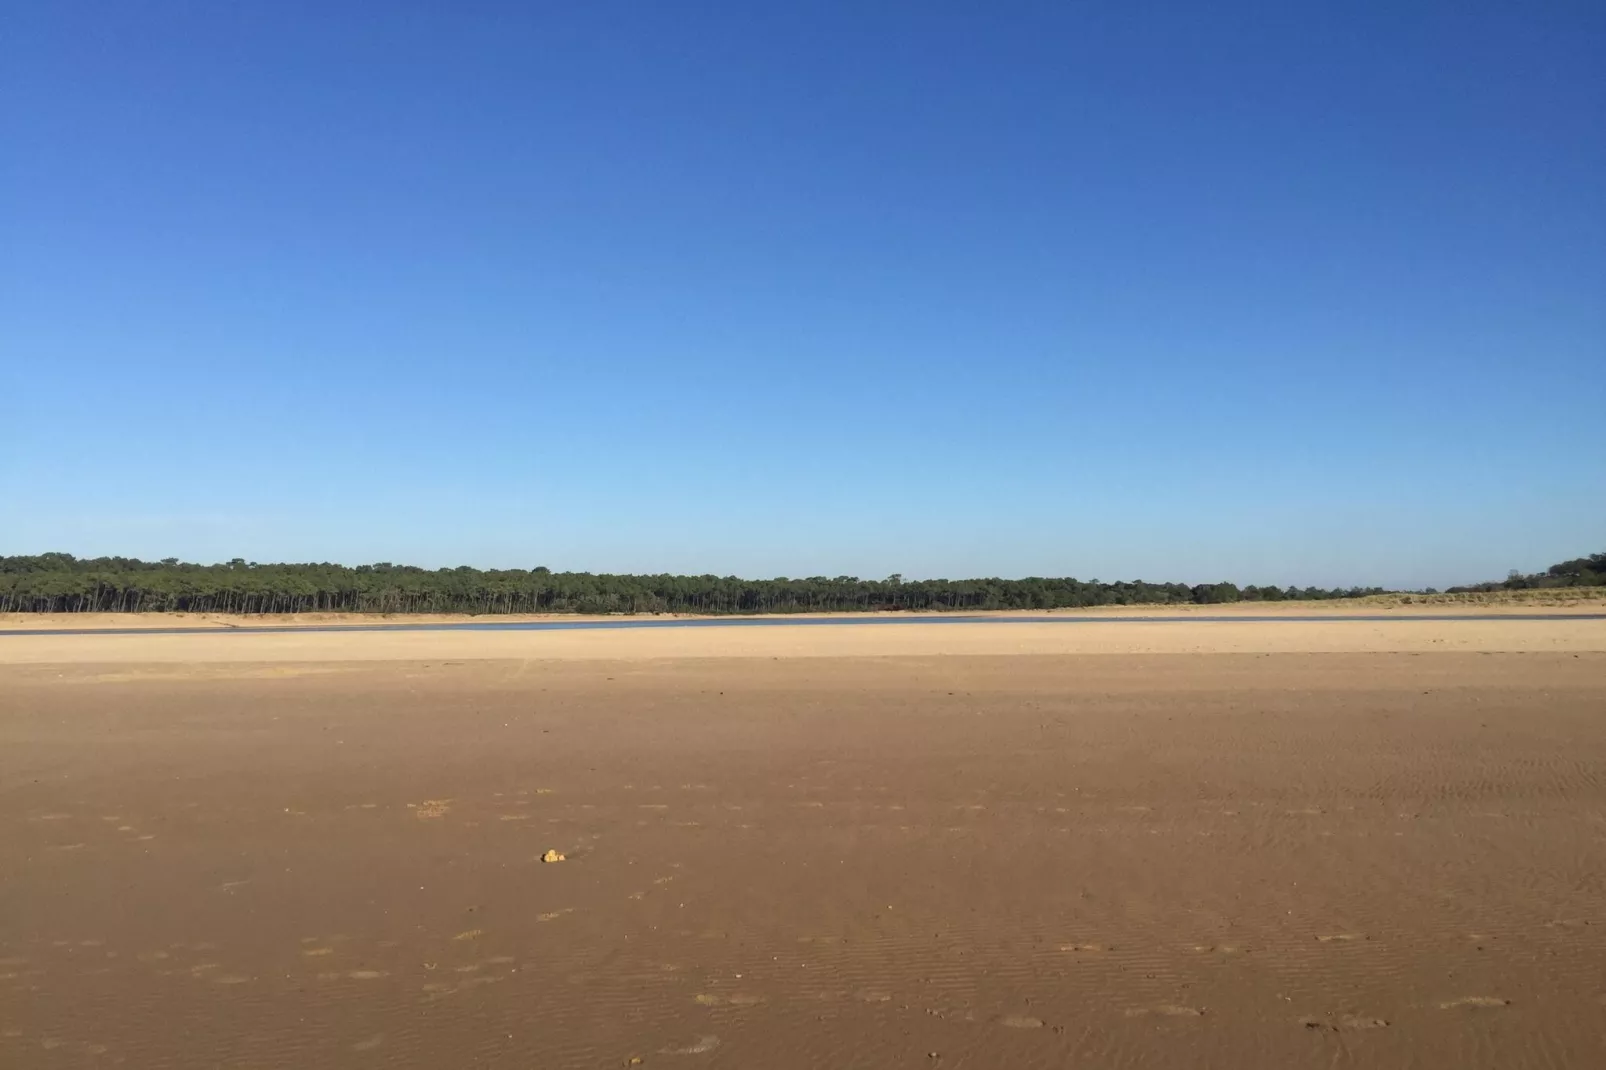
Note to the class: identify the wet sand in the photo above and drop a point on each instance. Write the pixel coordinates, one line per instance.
(1071, 857)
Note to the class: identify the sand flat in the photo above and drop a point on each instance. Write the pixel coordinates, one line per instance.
(902, 638)
(1006, 856)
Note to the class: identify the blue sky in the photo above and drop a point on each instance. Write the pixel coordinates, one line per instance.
(1271, 292)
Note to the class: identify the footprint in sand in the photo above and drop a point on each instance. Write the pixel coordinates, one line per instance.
(431, 808)
(1020, 1021)
(1474, 1001)
(1360, 1021)
(736, 999)
(1168, 1010)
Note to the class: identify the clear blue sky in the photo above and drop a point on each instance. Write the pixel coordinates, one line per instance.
(1271, 292)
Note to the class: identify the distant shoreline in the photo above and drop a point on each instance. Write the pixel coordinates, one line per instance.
(1560, 601)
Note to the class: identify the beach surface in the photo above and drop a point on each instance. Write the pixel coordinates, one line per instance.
(1028, 845)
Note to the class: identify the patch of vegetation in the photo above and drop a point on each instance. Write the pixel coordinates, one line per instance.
(1579, 572)
(61, 583)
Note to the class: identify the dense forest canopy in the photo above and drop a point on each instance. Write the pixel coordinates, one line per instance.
(57, 583)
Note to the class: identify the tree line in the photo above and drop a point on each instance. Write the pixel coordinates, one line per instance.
(62, 583)
(1579, 572)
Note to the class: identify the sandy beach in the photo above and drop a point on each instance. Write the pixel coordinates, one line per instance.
(1111, 844)
(904, 638)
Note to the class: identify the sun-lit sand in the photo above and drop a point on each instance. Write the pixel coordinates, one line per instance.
(994, 845)
(902, 638)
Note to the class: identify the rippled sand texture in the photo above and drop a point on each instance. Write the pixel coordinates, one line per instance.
(1161, 860)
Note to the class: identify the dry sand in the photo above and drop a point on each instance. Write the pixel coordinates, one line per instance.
(900, 639)
(964, 846)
